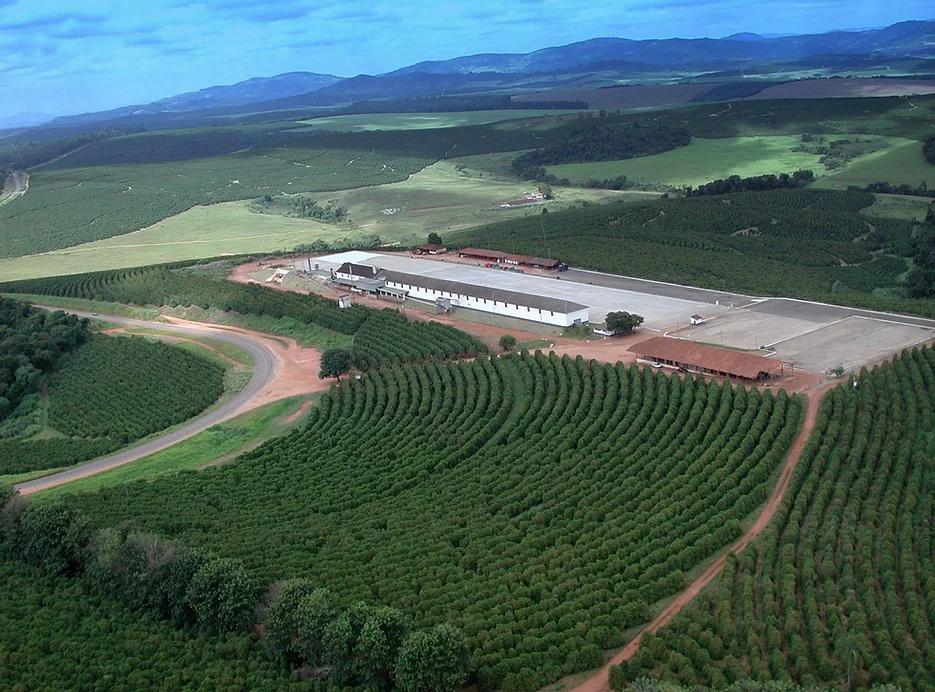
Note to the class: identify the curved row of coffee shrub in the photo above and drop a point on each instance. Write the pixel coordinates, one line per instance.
(108, 392)
(839, 590)
(541, 504)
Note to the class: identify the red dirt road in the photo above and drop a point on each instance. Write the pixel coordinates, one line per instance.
(599, 682)
(296, 367)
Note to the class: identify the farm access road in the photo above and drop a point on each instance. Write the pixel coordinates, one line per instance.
(18, 188)
(278, 372)
(600, 681)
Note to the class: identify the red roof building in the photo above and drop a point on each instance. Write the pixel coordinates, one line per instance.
(430, 249)
(710, 360)
(478, 253)
(527, 261)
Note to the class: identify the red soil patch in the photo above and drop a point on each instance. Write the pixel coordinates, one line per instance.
(296, 366)
(847, 88)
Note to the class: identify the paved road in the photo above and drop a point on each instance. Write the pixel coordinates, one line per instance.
(263, 372)
(823, 312)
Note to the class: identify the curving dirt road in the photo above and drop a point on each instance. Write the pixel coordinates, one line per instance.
(275, 372)
(19, 187)
(599, 682)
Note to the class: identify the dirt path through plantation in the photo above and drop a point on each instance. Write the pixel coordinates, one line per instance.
(600, 681)
(295, 367)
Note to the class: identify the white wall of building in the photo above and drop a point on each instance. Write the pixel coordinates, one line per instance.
(560, 319)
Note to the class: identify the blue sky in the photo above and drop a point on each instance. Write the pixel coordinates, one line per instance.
(68, 57)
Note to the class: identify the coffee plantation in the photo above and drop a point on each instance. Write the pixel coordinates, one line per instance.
(837, 591)
(563, 499)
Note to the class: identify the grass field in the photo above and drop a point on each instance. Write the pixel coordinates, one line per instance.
(65, 207)
(701, 161)
(442, 197)
(903, 207)
(902, 162)
(419, 121)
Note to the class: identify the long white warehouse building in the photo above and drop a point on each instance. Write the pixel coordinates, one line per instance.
(525, 306)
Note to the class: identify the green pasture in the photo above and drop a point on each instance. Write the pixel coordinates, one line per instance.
(901, 162)
(701, 161)
(905, 207)
(445, 196)
(70, 206)
(419, 121)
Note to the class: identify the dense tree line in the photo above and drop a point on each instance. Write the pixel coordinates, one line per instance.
(381, 337)
(301, 207)
(928, 149)
(304, 625)
(598, 139)
(920, 282)
(920, 190)
(802, 243)
(735, 183)
(21, 152)
(837, 592)
(538, 503)
(80, 639)
(32, 342)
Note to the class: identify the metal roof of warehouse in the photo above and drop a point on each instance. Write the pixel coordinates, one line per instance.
(484, 292)
(363, 284)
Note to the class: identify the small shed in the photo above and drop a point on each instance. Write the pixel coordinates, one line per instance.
(392, 293)
(697, 319)
(344, 301)
(482, 254)
(430, 249)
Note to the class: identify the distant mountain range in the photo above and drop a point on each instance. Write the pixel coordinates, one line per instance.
(249, 91)
(24, 120)
(608, 59)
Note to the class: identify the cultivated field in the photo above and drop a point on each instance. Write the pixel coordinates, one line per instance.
(442, 197)
(624, 97)
(370, 492)
(701, 161)
(905, 207)
(839, 586)
(804, 243)
(847, 88)
(420, 121)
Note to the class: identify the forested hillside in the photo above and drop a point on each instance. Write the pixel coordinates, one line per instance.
(32, 342)
(600, 139)
(837, 592)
